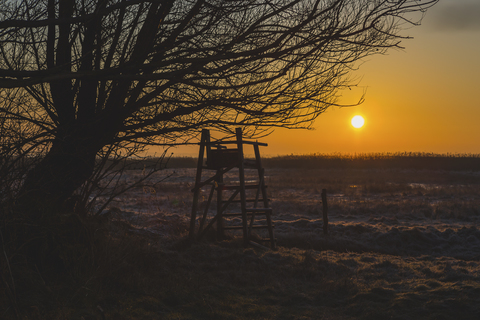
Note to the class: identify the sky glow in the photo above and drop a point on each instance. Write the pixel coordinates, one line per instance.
(420, 99)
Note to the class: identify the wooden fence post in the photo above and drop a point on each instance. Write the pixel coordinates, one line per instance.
(325, 211)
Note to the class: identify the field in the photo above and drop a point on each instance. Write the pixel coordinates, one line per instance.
(403, 243)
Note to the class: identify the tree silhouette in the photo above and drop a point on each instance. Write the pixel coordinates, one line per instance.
(81, 76)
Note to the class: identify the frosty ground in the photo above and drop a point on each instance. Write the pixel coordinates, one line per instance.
(402, 244)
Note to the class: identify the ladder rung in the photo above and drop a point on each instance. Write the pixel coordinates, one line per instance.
(241, 227)
(248, 200)
(233, 187)
(265, 240)
(239, 214)
(259, 210)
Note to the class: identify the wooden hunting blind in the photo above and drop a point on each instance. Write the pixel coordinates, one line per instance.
(247, 197)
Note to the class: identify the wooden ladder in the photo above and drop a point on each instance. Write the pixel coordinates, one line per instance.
(252, 197)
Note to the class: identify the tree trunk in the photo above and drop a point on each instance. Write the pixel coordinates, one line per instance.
(64, 169)
(51, 236)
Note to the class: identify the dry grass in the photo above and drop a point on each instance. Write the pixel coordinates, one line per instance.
(403, 244)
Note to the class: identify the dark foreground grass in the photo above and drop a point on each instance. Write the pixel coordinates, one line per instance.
(226, 281)
(141, 275)
(209, 281)
(137, 280)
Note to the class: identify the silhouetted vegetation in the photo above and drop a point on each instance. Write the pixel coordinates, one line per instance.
(400, 160)
(407, 160)
(86, 79)
(85, 86)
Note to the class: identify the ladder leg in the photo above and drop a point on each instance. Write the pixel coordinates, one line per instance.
(205, 212)
(255, 203)
(203, 141)
(241, 173)
(270, 230)
(261, 178)
(220, 222)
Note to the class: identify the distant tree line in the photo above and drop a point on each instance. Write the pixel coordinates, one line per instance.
(404, 160)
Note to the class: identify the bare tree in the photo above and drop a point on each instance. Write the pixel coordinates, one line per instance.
(87, 75)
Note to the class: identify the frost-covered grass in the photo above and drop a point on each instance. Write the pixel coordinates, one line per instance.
(402, 244)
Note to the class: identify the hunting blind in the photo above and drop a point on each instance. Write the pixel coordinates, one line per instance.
(247, 197)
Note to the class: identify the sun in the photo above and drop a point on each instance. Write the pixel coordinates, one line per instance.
(358, 121)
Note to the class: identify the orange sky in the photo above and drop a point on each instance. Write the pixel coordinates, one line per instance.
(425, 98)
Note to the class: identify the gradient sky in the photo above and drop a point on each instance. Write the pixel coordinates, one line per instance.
(425, 98)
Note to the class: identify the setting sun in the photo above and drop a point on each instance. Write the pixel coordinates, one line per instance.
(358, 121)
